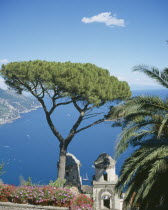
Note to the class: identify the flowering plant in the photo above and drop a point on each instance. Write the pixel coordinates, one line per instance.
(5, 192)
(44, 195)
(81, 202)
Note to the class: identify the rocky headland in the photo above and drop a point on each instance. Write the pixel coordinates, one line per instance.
(13, 104)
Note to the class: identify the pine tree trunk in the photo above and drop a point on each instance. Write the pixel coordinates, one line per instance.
(62, 161)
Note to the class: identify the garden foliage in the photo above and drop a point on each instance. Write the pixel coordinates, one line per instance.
(58, 183)
(44, 195)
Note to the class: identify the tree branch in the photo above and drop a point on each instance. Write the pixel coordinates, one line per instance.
(43, 90)
(74, 128)
(56, 105)
(76, 125)
(92, 124)
(76, 105)
(64, 103)
(92, 115)
(50, 123)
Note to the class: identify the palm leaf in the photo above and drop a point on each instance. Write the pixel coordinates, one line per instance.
(163, 124)
(154, 73)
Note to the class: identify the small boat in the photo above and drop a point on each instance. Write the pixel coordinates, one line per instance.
(85, 178)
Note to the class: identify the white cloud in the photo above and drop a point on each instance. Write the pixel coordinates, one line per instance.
(107, 18)
(4, 60)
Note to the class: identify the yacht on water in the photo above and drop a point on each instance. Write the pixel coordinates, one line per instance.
(85, 178)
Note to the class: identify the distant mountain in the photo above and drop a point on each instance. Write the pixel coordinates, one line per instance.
(13, 104)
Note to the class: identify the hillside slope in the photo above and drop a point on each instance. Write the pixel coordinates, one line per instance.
(12, 105)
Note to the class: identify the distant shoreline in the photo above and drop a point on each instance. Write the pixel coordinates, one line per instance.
(6, 121)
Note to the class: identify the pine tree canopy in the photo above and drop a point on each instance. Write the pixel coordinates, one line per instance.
(85, 82)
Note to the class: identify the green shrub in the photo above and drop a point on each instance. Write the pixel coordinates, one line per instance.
(24, 182)
(1, 168)
(58, 183)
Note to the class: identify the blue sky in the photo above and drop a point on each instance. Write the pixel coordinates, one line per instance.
(122, 34)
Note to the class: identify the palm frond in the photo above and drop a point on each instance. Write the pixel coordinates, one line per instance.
(154, 73)
(130, 133)
(140, 104)
(145, 124)
(163, 124)
(141, 174)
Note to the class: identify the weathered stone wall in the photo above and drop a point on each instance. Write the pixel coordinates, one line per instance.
(72, 169)
(13, 206)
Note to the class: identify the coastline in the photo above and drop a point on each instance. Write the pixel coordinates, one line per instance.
(19, 116)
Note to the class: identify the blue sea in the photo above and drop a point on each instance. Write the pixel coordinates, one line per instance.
(29, 149)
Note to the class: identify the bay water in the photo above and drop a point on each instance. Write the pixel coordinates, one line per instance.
(29, 149)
